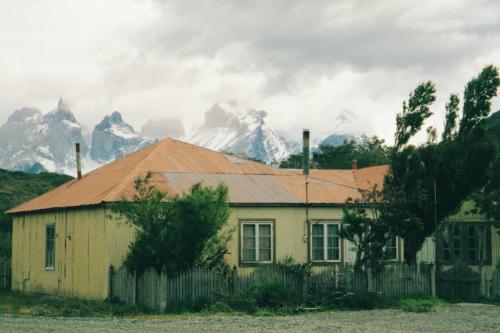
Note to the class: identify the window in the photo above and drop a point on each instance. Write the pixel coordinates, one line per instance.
(325, 242)
(257, 242)
(391, 248)
(50, 246)
(468, 242)
(452, 242)
(477, 242)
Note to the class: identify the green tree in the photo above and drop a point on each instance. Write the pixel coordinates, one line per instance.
(428, 183)
(364, 226)
(176, 233)
(369, 152)
(415, 111)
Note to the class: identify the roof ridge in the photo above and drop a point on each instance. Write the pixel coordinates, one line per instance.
(225, 154)
(122, 184)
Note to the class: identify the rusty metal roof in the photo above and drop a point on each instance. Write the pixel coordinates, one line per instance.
(176, 166)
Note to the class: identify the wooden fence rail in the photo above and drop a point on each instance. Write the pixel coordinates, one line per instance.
(159, 292)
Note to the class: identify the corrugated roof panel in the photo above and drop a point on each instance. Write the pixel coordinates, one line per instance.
(242, 188)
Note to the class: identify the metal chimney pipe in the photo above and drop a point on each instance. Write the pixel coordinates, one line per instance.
(305, 152)
(78, 162)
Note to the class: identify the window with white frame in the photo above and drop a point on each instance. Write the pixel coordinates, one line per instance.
(325, 241)
(257, 242)
(50, 246)
(391, 248)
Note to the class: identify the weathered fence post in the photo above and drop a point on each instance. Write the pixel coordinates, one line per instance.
(369, 279)
(432, 275)
(135, 288)
(234, 276)
(304, 286)
(484, 290)
(111, 272)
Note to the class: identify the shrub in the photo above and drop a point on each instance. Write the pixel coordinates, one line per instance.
(275, 295)
(363, 300)
(242, 302)
(418, 304)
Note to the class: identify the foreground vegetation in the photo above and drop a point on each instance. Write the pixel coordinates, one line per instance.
(15, 303)
(263, 301)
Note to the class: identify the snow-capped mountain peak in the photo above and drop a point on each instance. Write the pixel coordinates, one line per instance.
(240, 132)
(113, 138)
(32, 141)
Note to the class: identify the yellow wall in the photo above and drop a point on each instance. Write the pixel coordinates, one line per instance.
(81, 254)
(99, 239)
(120, 235)
(291, 231)
(89, 240)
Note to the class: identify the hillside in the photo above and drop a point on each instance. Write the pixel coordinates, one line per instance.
(17, 187)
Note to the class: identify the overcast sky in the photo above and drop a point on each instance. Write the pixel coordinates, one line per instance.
(302, 61)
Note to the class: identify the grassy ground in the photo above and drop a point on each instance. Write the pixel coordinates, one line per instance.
(14, 303)
(43, 305)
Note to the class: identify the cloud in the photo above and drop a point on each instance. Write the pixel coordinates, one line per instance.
(302, 61)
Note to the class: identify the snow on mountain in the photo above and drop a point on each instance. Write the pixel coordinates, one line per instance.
(228, 129)
(34, 142)
(113, 138)
(346, 126)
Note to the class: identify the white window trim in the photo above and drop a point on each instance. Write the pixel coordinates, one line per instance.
(397, 251)
(325, 241)
(257, 245)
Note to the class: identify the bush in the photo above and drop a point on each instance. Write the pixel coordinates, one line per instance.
(271, 296)
(275, 295)
(242, 302)
(363, 300)
(418, 305)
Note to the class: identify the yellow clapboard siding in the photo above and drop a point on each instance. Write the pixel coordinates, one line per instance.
(81, 258)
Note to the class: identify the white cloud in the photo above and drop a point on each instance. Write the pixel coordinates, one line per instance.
(302, 61)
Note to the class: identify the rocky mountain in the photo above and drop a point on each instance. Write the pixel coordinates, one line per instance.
(113, 138)
(33, 142)
(240, 132)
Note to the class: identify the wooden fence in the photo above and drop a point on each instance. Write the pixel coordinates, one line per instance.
(459, 282)
(5, 273)
(158, 292)
(495, 284)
